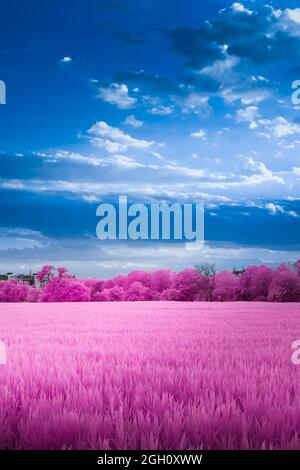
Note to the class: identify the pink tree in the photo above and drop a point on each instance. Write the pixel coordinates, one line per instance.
(13, 291)
(138, 292)
(95, 286)
(255, 282)
(285, 286)
(226, 287)
(162, 280)
(170, 295)
(188, 285)
(65, 288)
(45, 274)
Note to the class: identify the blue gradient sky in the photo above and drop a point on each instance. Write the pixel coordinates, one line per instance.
(177, 100)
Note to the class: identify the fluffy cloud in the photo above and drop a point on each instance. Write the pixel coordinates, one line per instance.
(289, 20)
(66, 60)
(277, 128)
(296, 171)
(193, 102)
(240, 8)
(294, 15)
(230, 47)
(249, 115)
(73, 157)
(133, 121)
(162, 110)
(262, 174)
(275, 209)
(201, 134)
(113, 139)
(118, 95)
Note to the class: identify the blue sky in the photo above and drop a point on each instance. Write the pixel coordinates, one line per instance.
(162, 101)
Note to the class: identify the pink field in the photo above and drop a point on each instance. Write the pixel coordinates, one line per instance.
(157, 375)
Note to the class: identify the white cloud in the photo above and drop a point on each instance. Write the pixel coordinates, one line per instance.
(293, 214)
(262, 173)
(114, 139)
(182, 170)
(247, 96)
(120, 161)
(162, 110)
(240, 8)
(126, 162)
(249, 115)
(275, 209)
(91, 198)
(278, 128)
(117, 94)
(296, 171)
(289, 21)
(133, 121)
(201, 134)
(13, 184)
(220, 67)
(294, 15)
(66, 60)
(72, 157)
(193, 103)
(157, 155)
(20, 238)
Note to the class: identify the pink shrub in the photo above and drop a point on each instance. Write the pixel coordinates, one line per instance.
(113, 294)
(170, 294)
(285, 286)
(137, 292)
(226, 287)
(13, 291)
(95, 286)
(65, 289)
(34, 294)
(162, 280)
(188, 285)
(45, 274)
(102, 296)
(255, 282)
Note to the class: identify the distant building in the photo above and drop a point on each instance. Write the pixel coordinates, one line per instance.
(26, 279)
(30, 279)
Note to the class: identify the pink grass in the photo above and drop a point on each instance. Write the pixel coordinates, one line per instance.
(147, 375)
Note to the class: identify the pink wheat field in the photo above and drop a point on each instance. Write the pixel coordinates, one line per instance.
(149, 375)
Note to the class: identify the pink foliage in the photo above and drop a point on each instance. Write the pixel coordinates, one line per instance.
(45, 274)
(65, 288)
(34, 294)
(137, 291)
(285, 286)
(256, 283)
(113, 294)
(187, 283)
(13, 291)
(226, 287)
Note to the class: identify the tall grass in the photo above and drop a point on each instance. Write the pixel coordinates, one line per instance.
(153, 375)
